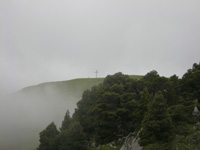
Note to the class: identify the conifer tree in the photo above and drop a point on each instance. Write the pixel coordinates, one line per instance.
(66, 122)
(73, 138)
(156, 125)
(143, 103)
(190, 83)
(47, 137)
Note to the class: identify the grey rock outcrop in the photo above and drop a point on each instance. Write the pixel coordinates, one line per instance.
(131, 143)
(196, 112)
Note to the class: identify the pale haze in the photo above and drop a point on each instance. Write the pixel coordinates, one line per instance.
(55, 40)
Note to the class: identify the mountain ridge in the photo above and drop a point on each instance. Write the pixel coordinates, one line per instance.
(75, 82)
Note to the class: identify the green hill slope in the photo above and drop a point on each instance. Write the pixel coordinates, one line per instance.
(68, 88)
(64, 89)
(36, 106)
(73, 87)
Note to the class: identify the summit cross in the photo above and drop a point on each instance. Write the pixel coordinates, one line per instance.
(96, 73)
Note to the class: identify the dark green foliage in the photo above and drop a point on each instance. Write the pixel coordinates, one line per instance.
(117, 78)
(150, 80)
(157, 146)
(155, 83)
(177, 113)
(114, 108)
(143, 104)
(84, 113)
(190, 83)
(66, 122)
(156, 125)
(106, 111)
(175, 84)
(47, 137)
(73, 138)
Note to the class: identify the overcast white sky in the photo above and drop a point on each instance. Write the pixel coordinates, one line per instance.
(54, 40)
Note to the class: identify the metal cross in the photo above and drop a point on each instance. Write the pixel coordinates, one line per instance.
(96, 73)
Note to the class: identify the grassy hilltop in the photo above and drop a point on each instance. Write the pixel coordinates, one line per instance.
(73, 87)
(70, 88)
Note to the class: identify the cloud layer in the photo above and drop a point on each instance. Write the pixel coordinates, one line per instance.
(54, 40)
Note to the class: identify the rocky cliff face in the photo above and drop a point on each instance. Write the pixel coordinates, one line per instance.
(131, 143)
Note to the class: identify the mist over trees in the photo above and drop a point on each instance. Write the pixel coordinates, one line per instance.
(31, 109)
(160, 109)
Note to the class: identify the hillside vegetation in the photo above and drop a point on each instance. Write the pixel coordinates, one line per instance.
(162, 111)
(32, 108)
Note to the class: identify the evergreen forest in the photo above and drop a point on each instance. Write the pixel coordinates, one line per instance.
(162, 112)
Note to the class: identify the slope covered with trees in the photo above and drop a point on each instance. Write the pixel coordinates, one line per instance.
(36, 106)
(163, 111)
